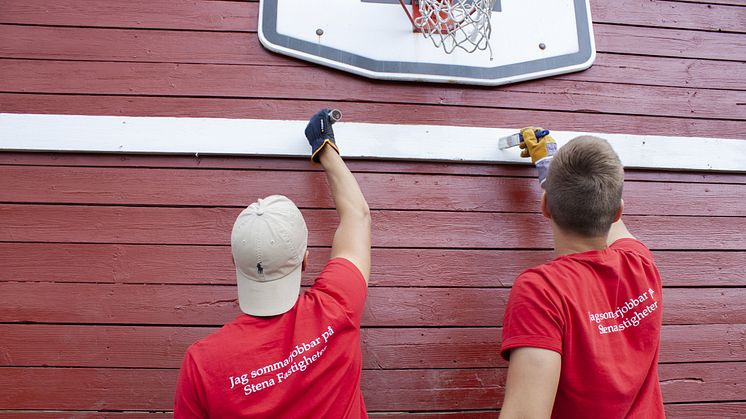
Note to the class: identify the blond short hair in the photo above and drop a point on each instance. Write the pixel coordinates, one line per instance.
(584, 186)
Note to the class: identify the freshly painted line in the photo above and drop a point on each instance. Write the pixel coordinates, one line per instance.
(116, 134)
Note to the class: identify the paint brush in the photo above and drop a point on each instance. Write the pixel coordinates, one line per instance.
(515, 139)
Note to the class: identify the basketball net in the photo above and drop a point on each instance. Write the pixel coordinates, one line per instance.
(452, 24)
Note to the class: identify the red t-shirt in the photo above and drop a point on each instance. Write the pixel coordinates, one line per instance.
(602, 311)
(305, 363)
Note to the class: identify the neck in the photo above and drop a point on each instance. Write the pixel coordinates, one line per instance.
(566, 243)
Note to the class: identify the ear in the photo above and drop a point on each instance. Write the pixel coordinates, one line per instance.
(618, 214)
(305, 262)
(544, 207)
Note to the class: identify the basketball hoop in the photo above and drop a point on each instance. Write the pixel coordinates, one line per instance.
(452, 24)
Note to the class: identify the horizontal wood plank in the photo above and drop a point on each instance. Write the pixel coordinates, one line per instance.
(724, 2)
(173, 187)
(386, 390)
(706, 410)
(165, 46)
(140, 389)
(422, 390)
(89, 44)
(702, 382)
(662, 71)
(423, 114)
(675, 43)
(229, 188)
(242, 16)
(386, 307)
(714, 410)
(193, 265)
(670, 14)
(143, 14)
(211, 226)
(39, 345)
(32, 262)
(205, 80)
(356, 166)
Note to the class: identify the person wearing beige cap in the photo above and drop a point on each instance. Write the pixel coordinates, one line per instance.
(289, 354)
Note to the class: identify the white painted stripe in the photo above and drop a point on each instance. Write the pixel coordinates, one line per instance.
(74, 133)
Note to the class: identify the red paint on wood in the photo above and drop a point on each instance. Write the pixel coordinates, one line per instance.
(239, 188)
(96, 346)
(701, 269)
(59, 43)
(674, 15)
(155, 264)
(388, 113)
(39, 345)
(70, 77)
(89, 44)
(727, 2)
(279, 164)
(212, 265)
(195, 15)
(226, 16)
(154, 225)
(705, 343)
(130, 186)
(392, 390)
(699, 93)
(674, 43)
(392, 307)
(706, 410)
(421, 390)
(140, 389)
(87, 389)
(662, 71)
(241, 16)
(301, 164)
(703, 382)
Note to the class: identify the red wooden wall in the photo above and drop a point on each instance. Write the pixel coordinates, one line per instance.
(111, 265)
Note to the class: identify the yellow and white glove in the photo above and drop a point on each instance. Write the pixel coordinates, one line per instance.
(541, 149)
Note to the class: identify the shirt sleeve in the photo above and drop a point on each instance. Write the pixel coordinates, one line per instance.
(634, 246)
(344, 282)
(532, 317)
(188, 401)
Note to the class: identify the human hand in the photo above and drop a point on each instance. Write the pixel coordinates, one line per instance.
(537, 148)
(319, 133)
(541, 149)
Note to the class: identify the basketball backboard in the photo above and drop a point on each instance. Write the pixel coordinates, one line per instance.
(374, 38)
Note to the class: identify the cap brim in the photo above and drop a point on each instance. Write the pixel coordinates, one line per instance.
(268, 298)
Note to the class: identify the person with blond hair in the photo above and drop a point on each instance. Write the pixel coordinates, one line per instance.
(582, 331)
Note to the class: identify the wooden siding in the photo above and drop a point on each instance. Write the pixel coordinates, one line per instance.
(111, 265)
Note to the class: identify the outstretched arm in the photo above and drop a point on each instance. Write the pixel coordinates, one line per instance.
(352, 238)
(618, 231)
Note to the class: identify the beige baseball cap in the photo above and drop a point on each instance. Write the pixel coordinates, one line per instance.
(268, 243)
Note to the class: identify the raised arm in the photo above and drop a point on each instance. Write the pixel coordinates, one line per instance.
(352, 238)
(618, 231)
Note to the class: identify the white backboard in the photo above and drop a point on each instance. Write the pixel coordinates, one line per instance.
(374, 38)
